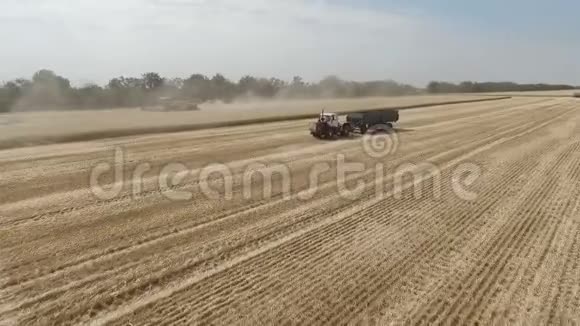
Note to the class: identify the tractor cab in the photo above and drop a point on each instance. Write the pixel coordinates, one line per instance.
(329, 118)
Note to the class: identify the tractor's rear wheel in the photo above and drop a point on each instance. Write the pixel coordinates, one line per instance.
(346, 130)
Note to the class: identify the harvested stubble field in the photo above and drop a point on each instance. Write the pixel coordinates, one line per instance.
(36, 128)
(509, 255)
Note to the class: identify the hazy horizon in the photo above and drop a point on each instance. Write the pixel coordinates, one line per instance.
(94, 41)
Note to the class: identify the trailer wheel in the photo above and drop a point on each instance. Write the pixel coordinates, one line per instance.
(346, 130)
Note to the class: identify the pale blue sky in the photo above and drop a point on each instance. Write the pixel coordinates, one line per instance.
(409, 41)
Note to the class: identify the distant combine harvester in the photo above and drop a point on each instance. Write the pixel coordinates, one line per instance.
(167, 104)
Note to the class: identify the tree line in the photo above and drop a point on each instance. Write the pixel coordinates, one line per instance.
(48, 90)
(437, 87)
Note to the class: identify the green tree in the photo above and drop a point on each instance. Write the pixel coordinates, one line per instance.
(90, 96)
(152, 81)
(46, 77)
(248, 84)
(197, 87)
(48, 90)
(297, 81)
